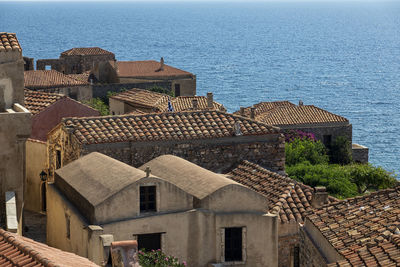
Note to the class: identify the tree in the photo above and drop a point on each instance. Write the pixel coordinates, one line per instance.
(341, 151)
(367, 177)
(305, 150)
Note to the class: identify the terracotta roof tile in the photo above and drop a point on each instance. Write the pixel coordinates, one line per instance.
(263, 107)
(162, 126)
(291, 115)
(147, 68)
(36, 101)
(18, 251)
(48, 79)
(287, 197)
(84, 51)
(9, 42)
(83, 77)
(365, 230)
(183, 103)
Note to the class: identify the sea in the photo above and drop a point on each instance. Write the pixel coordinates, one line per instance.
(341, 56)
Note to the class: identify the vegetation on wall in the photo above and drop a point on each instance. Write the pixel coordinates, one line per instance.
(159, 89)
(156, 258)
(341, 151)
(98, 104)
(307, 162)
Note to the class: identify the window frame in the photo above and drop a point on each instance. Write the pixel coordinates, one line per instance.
(146, 201)
(244, 246)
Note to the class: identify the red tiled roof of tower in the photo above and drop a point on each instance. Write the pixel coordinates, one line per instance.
(183, 103)
(147, 68)
(84, 51)
(9, 42)
(48, 79)
(18, 251)
(292, 115)
(263, 107)
(363, 229)
(288, 198)
(163, 126)
(142, 98)
(36, 101)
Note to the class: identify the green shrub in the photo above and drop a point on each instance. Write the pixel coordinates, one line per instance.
(305, 150)
(99, 105)
(341, 151)
(156, 258)
(367, 177)
(159, 89)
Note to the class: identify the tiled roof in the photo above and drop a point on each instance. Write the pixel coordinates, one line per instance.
(84, 51)
(147, 68)
(287, 197)
(163, 126)
(364, 230)
(48, 79)
(36, 101)
(292, 115)
(159, 102)
(16, 251)
(84, 77)
(9, 42)
(142, 98)
(263, 107)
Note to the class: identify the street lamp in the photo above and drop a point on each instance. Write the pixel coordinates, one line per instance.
(43, 176)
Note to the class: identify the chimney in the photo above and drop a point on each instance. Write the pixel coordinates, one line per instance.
(252, 113)
(195, 104)
(320, 197)
(162, 63)
(241, 111)
(148, 171)
(300, 102)
(210, 100)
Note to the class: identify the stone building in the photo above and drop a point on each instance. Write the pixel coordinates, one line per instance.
(287, 198)
(76, 60)
(188, 212)
(360, 231)
(16, 250)
(52, 81)
(15, 128)
(214, 140)
(145, 101)
(47, 109)
(183, 83)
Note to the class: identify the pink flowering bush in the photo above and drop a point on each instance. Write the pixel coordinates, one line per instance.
(156, 258)
(290, 136)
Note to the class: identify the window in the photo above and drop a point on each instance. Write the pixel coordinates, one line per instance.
(43, 190)
(296, 256)
(58, 159)
(147, 198)
(177, 89)
(149, 241)
(233, 244)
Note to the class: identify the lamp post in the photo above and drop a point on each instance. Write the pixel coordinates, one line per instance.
(43, 176)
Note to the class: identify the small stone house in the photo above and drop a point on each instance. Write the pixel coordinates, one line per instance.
(287, 198)
(47, 111)
(139, 100)
(183, 83)
(52, 81)
(360, 231)
(214, 140)
(76, 60)
(15, 128)
(169, 203)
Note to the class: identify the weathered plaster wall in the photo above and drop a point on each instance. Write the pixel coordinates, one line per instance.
(36, 158)
(80, 93)
(11, 79)
(288, 240)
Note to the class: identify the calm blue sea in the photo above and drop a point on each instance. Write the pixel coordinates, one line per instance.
(343, 57)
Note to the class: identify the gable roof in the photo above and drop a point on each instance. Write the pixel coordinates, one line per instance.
(36, 101)
(84, 51)
(287, 197)
(162, 127)
(96, 177)
(48, 79)
(365, 230)
(147, 68)
(9, 42)
(159, 102)
(191, 178)
(263, 107)
(292, 115)
(16, 250)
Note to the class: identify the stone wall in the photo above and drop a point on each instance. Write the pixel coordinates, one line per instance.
(80, 93)
(360, 153)
(219, 155)
(286, 246)
(309, 254)
(100, 90)
(79, 64)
